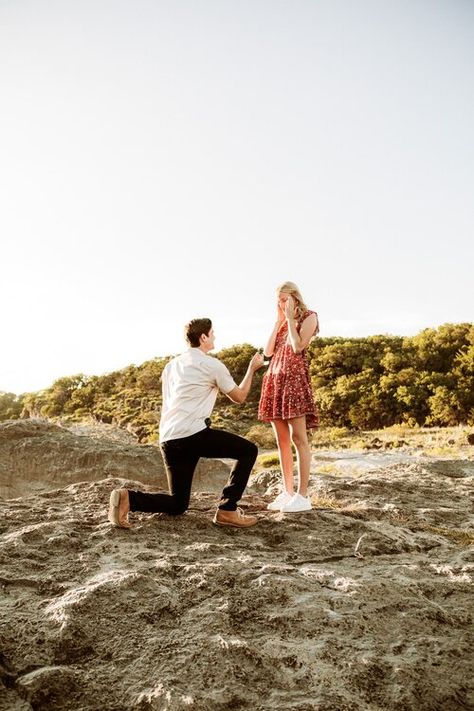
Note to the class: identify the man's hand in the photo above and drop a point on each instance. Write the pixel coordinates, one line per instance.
(256, 362)
(239, 393)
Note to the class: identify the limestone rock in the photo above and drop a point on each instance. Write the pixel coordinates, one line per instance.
(36, 455)
(363, 602)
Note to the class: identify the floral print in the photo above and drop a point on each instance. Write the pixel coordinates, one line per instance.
(286, 387)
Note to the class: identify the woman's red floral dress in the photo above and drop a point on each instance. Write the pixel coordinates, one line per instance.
(286, 387)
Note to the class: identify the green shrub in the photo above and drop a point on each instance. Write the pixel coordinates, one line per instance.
(262, 436)
(359, 383)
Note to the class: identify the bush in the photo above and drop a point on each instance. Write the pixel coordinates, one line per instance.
(358, 383)
(262, 436)
(10, 406)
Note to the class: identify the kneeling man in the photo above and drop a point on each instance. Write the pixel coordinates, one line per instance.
(190, 383)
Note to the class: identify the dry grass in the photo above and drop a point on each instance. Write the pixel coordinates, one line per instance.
(327, 469)
(322, 500)
(437, 441)
(399, 518)
(401, 430)
(354, 506)
(456, 535)
(442, 451)
(331, 436)
(268, 460)
(325, 502)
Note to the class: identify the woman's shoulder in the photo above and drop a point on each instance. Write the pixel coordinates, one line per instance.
(314, 322)
(307, 313)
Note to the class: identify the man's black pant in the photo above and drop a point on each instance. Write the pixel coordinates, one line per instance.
(181, 457)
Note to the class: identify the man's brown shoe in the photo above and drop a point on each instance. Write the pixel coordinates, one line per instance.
(234, 518)
(119, 508)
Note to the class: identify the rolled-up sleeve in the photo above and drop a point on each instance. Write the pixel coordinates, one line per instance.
(224, 380)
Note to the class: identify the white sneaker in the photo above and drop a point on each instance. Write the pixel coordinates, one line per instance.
(281, 499)
(296, 504)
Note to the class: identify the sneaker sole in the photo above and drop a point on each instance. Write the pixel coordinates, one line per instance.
(297, 511)
(233, 525)
(274, 507)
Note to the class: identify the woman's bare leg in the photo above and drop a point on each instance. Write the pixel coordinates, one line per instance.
(282, 434)
(299, 437)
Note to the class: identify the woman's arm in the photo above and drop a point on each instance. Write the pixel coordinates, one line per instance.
(309, 328)
(270, 347)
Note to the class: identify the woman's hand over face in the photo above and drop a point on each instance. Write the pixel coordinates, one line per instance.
(290, 308)
(280, 314)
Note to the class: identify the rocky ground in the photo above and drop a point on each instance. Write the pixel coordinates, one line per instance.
(363, 603)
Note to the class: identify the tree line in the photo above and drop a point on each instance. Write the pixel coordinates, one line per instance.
(360, 383)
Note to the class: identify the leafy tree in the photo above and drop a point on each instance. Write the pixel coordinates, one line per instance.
(11, 406)
(427, 379)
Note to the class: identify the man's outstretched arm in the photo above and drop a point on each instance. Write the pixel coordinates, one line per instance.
(239, 393)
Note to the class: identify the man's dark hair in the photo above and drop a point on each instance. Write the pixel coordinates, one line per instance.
(195, 329)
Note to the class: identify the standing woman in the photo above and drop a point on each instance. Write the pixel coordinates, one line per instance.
(287, 399)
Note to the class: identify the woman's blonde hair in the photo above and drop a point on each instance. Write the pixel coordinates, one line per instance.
(289, 287)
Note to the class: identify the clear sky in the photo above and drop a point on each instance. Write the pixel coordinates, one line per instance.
(168, 159)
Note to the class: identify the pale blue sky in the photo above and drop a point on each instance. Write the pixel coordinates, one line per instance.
(171, 159)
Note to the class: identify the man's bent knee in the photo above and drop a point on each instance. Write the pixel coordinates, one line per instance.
(178, 508)
(251, 450)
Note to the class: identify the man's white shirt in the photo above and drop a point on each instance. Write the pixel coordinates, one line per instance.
(190, 383)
